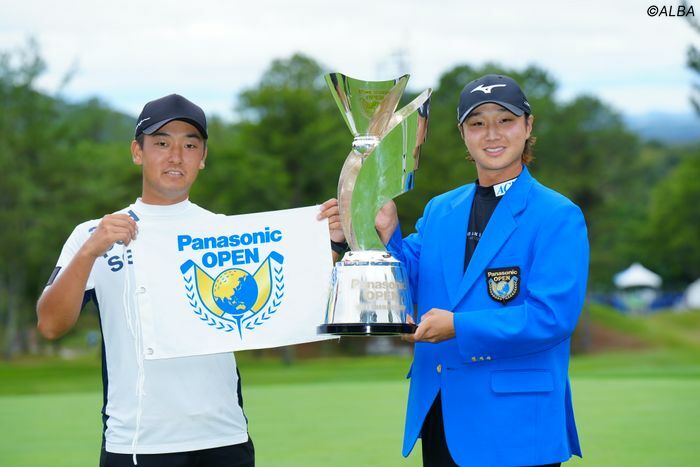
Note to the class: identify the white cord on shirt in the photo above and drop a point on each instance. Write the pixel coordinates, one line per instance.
(134, 324)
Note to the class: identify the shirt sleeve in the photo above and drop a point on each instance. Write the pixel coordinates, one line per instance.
(75, 241)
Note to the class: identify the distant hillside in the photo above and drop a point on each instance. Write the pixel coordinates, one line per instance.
(603, 329)
(106, 125)
(665, 127)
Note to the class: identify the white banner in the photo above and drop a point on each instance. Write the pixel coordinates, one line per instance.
(232, 283)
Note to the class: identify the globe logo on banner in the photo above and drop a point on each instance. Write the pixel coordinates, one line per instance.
(235, 298)
(235, 291)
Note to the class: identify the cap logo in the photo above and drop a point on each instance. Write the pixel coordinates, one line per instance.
(487, 89)
(139, 123)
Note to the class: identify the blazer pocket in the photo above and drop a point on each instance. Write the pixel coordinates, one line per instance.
(519, 381)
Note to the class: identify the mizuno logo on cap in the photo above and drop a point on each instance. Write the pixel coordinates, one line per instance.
(487, 89)
(139, 123)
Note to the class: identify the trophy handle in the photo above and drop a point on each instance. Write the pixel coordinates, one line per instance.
(346, 186)
(387, 172)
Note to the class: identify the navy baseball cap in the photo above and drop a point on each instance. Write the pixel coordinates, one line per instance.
(159, 112)
(496, 89)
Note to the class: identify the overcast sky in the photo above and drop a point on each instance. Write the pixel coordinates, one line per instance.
(128, 52)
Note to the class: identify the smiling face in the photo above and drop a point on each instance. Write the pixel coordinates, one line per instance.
(171, 159)
(495, 139)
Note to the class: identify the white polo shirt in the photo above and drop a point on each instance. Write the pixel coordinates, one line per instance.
(187, 404)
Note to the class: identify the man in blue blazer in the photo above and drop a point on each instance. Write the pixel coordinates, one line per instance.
(498, 269)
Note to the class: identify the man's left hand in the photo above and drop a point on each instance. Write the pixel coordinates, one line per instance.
(435, 326)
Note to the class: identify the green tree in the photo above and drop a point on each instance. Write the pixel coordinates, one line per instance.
(674, 223)
(292, 127)
(24, 128)
(588, 155)
(693, 55)
(237, 179)
(59, 163)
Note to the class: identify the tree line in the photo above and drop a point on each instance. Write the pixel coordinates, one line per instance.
(65, 162)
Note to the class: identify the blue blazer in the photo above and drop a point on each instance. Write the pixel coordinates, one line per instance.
(503, 379)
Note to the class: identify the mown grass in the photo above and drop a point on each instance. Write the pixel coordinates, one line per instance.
(633, 408)
(623, 421)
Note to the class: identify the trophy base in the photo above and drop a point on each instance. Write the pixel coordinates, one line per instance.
(369, 329)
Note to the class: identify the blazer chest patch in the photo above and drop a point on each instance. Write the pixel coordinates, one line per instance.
(503, 284)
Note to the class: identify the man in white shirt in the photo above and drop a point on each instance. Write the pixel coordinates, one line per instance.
(172, 412)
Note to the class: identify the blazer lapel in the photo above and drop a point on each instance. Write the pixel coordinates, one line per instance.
(454, 241)
(498, 231)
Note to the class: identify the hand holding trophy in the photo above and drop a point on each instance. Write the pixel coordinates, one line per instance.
(369, 288)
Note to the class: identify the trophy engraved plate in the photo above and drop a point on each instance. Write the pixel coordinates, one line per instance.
(370, 292)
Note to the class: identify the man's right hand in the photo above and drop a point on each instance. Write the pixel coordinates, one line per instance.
(111, 229)
(59, 306)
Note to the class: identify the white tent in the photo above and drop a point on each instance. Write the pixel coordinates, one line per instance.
(692, 295)
(637, 276)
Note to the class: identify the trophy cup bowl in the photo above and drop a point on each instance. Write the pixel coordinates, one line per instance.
(370, 292)
(369, 296)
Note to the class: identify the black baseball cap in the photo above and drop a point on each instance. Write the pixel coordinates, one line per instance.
(159, 112)
(496, 89)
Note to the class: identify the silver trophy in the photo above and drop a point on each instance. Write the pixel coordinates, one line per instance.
(369, 288)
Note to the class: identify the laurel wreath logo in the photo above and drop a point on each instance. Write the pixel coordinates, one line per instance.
(250, 320)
